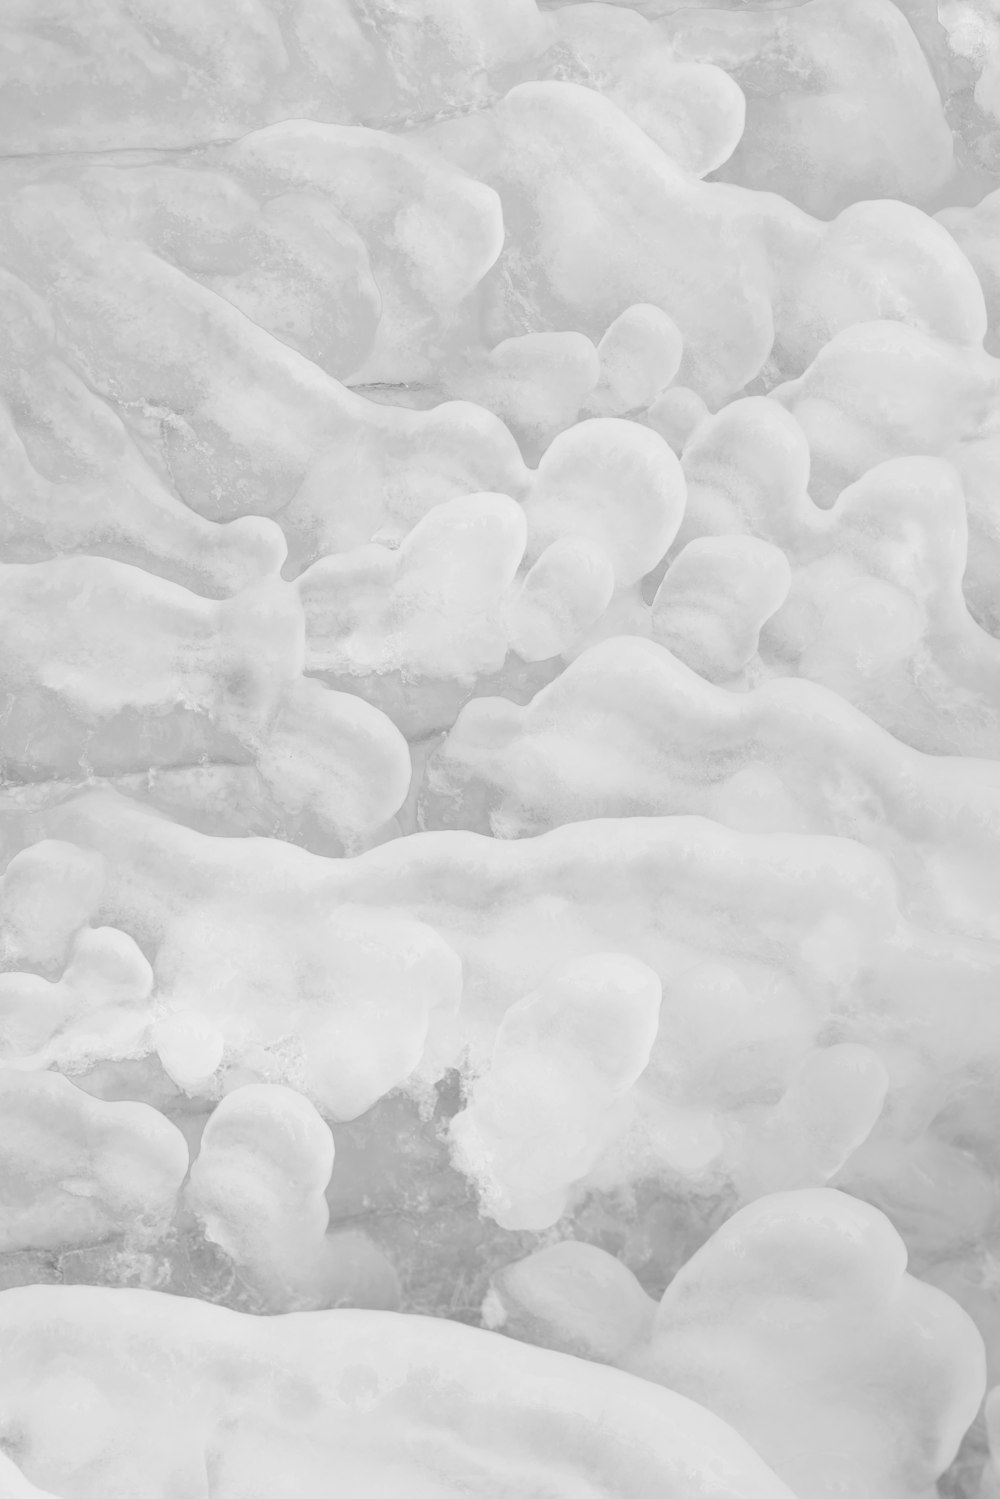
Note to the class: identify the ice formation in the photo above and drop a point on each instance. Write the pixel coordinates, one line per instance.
(797, 1322)
(500, 749)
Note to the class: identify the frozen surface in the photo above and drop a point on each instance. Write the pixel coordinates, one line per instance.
(391, 1404)
(500, 749)
(797, 1322)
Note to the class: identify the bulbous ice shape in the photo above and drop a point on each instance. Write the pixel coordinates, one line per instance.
(942, 404)
(115, 670)
(693, 111)
(49, 891)
(75, 1170)
(797, 1323)
(327, 757)
(572, 1297)
(876, 609)
(74, 479)
(98, 1005)
(562, 594)
(100, 639)
(676, 414)
(347, 1011)
(189, 1048)
(290, 260)
(828, 1109)
(762, 957)
(714, 600)
(537, 384)
(788, 756)
(258, 1189)
(394, 1405)
(640, 354)
(344, 1000)
(340, 977)
(747, 468)
(430, 609)
(378, 473)
(236, 421)
(430, 234)
(614, 484)
(556, 149)
(755, 285)
(882, 390)
(543, 1109)
(841, 104)
(875, 260)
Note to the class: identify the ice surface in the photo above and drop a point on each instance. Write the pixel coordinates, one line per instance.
(133, 672)
(805, 1293)
(787, 756)
(430, 609)
(391, 1404)
(338, 61)
(573, 1297)
(538, 1116)
(774, 953)
(257, 1188)
(75, 1168)
(841, 104)
(742, 274)
(798, 1307)
(499, 712)
(715, 598)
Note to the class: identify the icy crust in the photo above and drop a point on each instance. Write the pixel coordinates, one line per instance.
(841, 101)
(76, 479)
(181, 79)
(313, 251)
(168, 351)
(108, 669)
(335, 1054)
(788, 756)
(577, 426)
(78, 1170)
(747, 277)
(232, 695)
(797, 1323)
(124, 439)
(870, 597)
(799, 1303)
(483, 586)
(863, 95)
(233, 1207)
(848, 82)
(541, 1112)
(787, 1024)
(890, 599)
(153, 1393)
